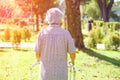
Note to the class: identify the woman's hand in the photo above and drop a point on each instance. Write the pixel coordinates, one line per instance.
(71, 63)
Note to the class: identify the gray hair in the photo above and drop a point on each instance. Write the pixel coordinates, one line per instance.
(54, 15)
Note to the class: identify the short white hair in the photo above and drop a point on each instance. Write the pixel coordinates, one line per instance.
(54, 15)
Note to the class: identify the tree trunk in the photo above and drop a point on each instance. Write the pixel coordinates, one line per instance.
(104, 12)
(37, 22)
(73, 22)
(42, 20)
(105, 8)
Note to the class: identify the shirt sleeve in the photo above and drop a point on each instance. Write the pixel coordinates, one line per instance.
(37, 48)
(70, 43)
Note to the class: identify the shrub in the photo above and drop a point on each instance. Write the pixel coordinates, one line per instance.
(26, 34)
(99, 35)
(112, 41)
(98, 23)
(112, 26)
(16, 37)
(92, 35)
(117, 25)
(6, 35)
(95, 36)
(89, 42)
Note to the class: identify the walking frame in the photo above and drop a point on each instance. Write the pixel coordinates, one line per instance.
(72, 71)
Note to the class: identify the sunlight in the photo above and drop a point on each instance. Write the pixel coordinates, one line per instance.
(5, 1)
(22, 20)
(117, 0)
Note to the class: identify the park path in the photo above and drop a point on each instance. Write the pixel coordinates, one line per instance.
(22, 45)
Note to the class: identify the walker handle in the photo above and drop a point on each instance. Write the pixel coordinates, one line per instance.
(71, 65)
(34, 64)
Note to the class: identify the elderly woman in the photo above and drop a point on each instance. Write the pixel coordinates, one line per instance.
(52, 46)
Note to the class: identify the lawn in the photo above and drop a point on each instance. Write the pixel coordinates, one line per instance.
(90, 64)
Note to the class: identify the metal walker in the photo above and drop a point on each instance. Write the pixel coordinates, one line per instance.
(72, 70)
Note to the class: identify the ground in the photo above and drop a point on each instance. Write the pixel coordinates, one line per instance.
(90, 64)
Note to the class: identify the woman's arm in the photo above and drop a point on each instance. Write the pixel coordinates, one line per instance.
(37, 57)
(72, 56)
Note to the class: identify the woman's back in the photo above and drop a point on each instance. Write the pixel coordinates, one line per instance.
(54, 53)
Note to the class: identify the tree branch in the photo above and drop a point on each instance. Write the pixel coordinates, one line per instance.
(110, 5)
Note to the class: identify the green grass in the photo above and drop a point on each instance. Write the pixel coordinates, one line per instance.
(98, 65)
(90, 64)
(15, 64)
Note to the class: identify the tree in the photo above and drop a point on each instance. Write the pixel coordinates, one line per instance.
(40, 7)
(90, 9)
(115, 11)
(105, 8)
(36, 7)
(5, 10)
(73, 21)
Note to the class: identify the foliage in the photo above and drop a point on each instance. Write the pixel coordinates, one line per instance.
(89, 42)
(26, 34)
(104, 32)
(114, 16)
(36, 8)
(94, 36)
(99, 35)
(5, 9)
(107, 26)
(113, 26)
(16, 37)
(6, 35)
(115, 11)
(98, 23)
(91, 10)
(99, 10)
(112, 41)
